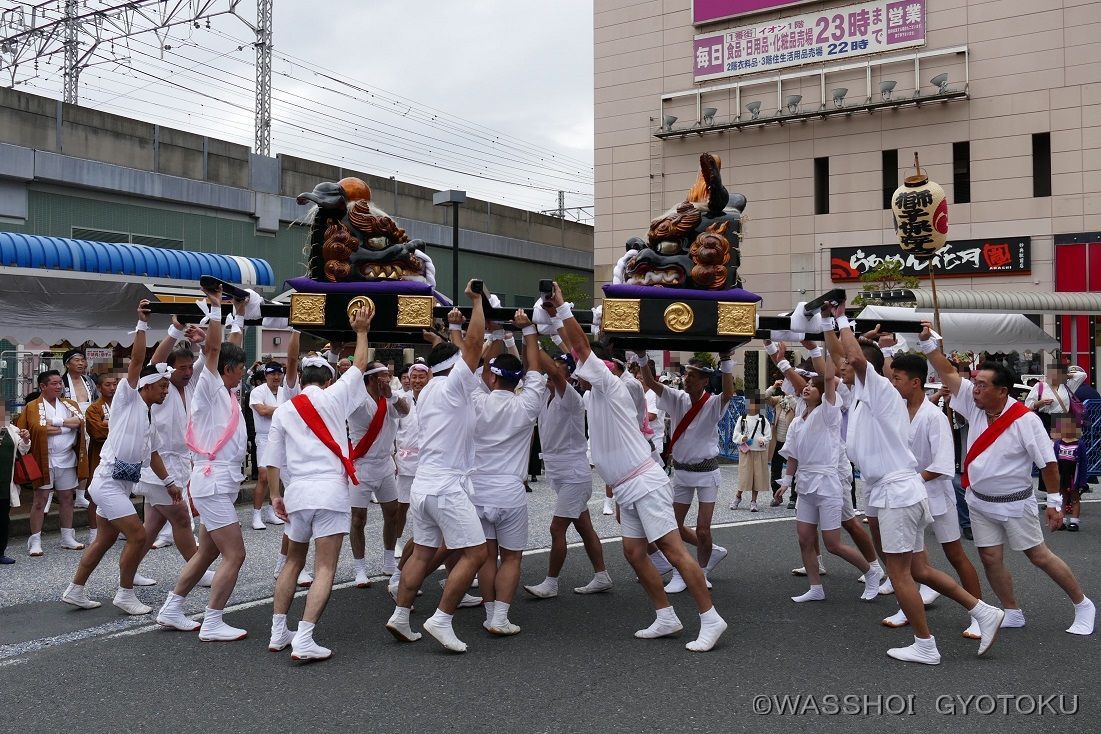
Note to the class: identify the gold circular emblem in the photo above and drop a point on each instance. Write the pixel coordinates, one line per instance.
(679, 317)
(359, 302)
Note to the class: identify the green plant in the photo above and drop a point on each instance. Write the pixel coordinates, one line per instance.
(886, 276)
(576, 289)
(706, 357)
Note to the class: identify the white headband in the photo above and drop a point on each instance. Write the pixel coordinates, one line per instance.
(704, 370)
(420, 367)
(318, 362)
(447, 363)
(162, 373)
(375, 371)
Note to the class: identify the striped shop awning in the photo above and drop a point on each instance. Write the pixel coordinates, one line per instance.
(1023, 302)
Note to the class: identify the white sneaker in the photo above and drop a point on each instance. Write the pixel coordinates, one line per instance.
(676, 584)
(469, 601)
(258, 521)
(898, 619)
(140, 580)
(444, 634)
(609, 508)
(207, 579)
(279, 640)
(362, 582)
(127, 602)
(34, 546)
(79, 598)
(547, 589)
(221, 632)
(736, 503)
(753, 507)
(916, 654)
(600, 582)
(270, 517)
(163, 541)
(305, 650)
(305, 579)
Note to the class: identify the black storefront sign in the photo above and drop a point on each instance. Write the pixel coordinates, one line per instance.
(960, 258)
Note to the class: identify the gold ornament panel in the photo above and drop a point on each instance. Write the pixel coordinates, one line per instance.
(736, 319)
(679, 317)
(621, 314)
(307, 309)
(415, 311)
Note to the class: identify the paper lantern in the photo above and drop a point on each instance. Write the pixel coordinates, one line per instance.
(921, 215)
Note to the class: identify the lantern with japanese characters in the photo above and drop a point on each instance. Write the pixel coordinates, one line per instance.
(921, 215)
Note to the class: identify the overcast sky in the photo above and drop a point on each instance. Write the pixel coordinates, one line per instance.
(500, 91)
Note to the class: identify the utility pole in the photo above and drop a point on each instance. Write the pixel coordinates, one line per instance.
(72, 52)
(262, 123)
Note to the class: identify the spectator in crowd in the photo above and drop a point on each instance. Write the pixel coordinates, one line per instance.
(14, 442)
(1050, 398)
(56, 425)
(78, 387)
(784, 407)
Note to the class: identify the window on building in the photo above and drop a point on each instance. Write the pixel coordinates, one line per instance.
(890, 176)
(1041, 164)
(821, 185)
(961, 172)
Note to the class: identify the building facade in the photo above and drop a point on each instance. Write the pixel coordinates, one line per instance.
(816, 110)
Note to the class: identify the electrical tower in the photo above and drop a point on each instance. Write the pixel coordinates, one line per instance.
(87, 34)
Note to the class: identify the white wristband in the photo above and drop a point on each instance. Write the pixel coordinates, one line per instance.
(843, 322)
(528, 330)
(563, 312)
(771, 348)
(498, 335)
(455, 327)
(829, 324)
(927, 346)
(169, 481)
(1055, 501)
(784, 481)
(727, 366)
(783, 365)
(174, 333)
(142, 326)
(815, 353)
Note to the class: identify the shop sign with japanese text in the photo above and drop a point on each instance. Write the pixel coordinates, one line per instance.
(961, 258)
(827, 35)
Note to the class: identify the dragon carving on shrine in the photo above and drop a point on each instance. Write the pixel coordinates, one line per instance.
(693, 245)
(351, 239)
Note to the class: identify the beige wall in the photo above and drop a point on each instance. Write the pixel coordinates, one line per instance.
(1034, 67)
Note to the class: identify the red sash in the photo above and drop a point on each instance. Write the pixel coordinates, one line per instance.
(991, 434)
(685, 422)
(373, 430)
(313, 421)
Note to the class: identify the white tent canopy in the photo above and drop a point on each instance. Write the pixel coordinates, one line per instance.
(976, 332)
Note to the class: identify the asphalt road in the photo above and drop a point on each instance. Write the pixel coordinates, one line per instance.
(575, 667)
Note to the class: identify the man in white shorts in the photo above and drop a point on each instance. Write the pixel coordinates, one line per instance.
(216, 436)
(562, 436)
(406, 456)
(693, 447)
(641, 489)
(307, 437)
(440, 507)
(170, 421)
(502, 440)
(879, 443)
(130, 444)
(931, 444)
(372, 427)
(263, 400)
(997, 472)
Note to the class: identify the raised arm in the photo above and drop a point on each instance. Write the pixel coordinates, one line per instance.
(850, 345)
(649, 381)
(175, 333)
(935, 354)
(532, 361)
(726, 365)
(294, 349)
(237, 330)
(137, 353)
(572, 334)
(475, 330)
(775, 351)
(213, 346)
(361, 325)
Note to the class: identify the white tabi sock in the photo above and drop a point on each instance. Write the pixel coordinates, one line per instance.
(278, 622)
(489, 605)
(305, 631)
(711, 628)
(212, 617)
(279, 563)
(1085, 614)
(500, 614)
(387, 556)
(442, 617)
(666, 623)
(814, 593)
(401, 614)
(360, 564)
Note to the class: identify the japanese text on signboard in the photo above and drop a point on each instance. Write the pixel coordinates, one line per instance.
(837, 33)
(973, 258)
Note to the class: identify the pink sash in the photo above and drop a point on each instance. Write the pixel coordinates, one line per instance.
(231, 428)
